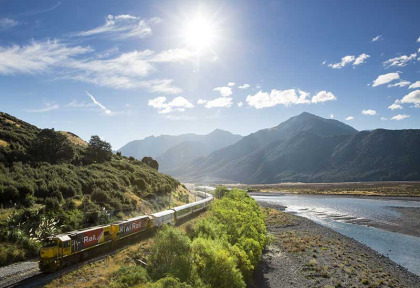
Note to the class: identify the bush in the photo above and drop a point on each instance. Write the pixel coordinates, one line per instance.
(98, 151)
(129, 276)
(170, 254)
(220, 191)
(169, 282)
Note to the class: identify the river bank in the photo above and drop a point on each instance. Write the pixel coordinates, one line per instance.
(306, 254)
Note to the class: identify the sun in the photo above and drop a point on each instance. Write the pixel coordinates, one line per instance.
(200, 33)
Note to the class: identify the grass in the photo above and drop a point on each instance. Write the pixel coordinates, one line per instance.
(3, 143)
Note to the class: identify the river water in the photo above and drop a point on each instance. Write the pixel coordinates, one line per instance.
(352, 216)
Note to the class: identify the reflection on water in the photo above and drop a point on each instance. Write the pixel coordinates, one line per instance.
(351, 215)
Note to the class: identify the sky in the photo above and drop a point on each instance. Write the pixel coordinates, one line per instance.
(125, 70)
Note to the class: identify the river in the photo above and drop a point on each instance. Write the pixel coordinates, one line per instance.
(355, 218)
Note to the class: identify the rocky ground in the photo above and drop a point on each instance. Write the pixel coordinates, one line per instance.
(305, 254)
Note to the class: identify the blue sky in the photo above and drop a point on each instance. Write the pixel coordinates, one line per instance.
(125, 70)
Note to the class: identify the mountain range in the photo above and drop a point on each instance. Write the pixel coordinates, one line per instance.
(305, 148)
(175, 151)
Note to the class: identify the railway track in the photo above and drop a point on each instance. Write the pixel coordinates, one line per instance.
(37, 278)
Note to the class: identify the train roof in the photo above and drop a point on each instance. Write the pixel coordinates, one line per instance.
(162, 213)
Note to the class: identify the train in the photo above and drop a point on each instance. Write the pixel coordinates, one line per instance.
(69, 248)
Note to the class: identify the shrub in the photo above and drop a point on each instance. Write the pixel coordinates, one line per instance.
(129, 276)
(170, 254)
(169, 282)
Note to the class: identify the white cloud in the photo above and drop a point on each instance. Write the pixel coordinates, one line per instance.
(36, 57)
(360, 59)
(125, 71)
(123, 27)
(106, 110)
(400, 61)
(224, 91)
(402, 83)
(400, 117)
(414, 85)
(344, 61)
(323, 96)
(221, 102)
(177, 104)
(172, 55)
(379, 37)
(244, 86)
(384, 118)
(349, 118)
(385, 78)
(6, 23)
(418, 39)
(349, 59)
(77, 104)
(324, 62)
(369, 112)
(395, 106)
(286, 97)
(240, 104)
(277, 97)
(47, 107)
(412, 98)
(332, 116)
(231, 84)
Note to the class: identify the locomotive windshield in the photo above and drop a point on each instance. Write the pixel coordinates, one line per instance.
(49, 243)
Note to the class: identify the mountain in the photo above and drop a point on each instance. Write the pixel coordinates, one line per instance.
(173, 151)
(309, 148)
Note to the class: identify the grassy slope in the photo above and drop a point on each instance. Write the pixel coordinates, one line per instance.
(123, 187)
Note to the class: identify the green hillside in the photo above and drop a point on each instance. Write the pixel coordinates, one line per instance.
(48, 176)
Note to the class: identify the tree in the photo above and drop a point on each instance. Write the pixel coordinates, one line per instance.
(151, 162)
(51, 146)
(220, 191)
(170, 254)
(98, 151)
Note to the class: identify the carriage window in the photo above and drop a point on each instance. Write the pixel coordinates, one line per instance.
(50, 243)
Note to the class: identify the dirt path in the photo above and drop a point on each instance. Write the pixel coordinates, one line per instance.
(305, 254)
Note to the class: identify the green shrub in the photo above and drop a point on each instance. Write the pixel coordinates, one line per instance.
(169, 282)
(129, 276)
(170, 254)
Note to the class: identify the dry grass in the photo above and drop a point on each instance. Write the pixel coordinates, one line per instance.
(12, 122)
(345, 188)
(279, 218)
(74, 138)
(3, 143)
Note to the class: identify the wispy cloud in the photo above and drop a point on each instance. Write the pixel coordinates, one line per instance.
(244, 86)
(385, 78)
(349, 118)
(123, 27)
(221, 102)
(377, 38)
(402, 83)
(77, 104)
(369, 112)
(40, 11)
(177, 104)
(350, 59)
(125, 71)
(399, 117)
(47, 107)
(97, 103)
(224, 91)
(231, 84)
(400, 61)
(414, 85)
(7, 23)
(37, 57)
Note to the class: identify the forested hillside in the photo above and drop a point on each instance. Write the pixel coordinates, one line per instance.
(54, 181)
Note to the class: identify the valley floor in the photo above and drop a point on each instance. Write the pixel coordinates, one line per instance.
(305, 254)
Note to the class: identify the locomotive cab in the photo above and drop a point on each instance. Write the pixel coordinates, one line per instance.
(53, 248)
